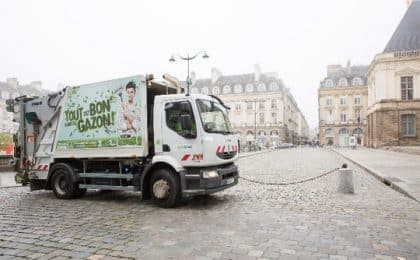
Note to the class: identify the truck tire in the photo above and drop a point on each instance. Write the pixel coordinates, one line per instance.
(165, 188)
(62, 184)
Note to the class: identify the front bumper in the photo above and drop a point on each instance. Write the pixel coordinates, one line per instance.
(193, 183)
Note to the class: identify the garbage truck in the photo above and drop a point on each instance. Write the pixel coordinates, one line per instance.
(130, 134)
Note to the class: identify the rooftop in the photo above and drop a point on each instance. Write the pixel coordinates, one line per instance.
(407, 35)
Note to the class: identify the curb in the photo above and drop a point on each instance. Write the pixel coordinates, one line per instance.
(255, 154)
(377, 175)
(15, 186)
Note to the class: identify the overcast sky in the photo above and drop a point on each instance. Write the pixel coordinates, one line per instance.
(76, 42)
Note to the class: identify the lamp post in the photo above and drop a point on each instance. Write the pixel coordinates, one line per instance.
(255, 121)
(188, 58)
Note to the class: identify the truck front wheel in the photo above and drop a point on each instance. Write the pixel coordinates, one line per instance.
(62, 185)
(165, 188)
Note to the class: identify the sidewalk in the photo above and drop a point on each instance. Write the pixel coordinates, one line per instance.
(7, 179)
(401, 171)
(247, 154)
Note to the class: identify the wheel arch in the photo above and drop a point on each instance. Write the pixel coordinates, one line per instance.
(163, 163)
(60, 165)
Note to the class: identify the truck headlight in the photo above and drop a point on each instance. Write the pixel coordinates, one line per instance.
(210, 174)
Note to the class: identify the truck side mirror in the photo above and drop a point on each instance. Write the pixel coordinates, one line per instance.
(186, 122)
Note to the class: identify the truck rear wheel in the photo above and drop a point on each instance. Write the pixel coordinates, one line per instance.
(165, 188)
(62, 185)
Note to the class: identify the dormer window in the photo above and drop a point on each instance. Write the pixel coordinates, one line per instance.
(261, 87)
(216, 91)
(226, 89)
(329, 83)
(357, 82)
(205, 90)
(342, 82)
(238, 88)
(249, 88)
(274, 86)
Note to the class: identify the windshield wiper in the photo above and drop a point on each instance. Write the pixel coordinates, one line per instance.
(220, 132)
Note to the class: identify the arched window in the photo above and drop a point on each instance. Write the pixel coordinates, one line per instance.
(329, 132)
(205, 90)
(249, 132)
(261, 87)
(194, 91)
(343, 131)
(261, 133)
(274, 86)
(216, 91)
(356, 81)
(342, 82)
(329, 83)
(358, 131)
(226, 89)
(274, 132)
(249, 88)
(238, 88)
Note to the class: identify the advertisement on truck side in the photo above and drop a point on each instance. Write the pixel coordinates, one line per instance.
(102, 115)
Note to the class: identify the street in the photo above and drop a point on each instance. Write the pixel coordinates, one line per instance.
(249, 221)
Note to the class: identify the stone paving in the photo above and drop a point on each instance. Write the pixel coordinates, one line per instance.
(248, 221)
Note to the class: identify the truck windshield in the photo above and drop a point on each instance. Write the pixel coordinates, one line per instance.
(214, 117)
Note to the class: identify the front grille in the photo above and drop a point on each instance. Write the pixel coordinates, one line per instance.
(229, 175)
(226, 155)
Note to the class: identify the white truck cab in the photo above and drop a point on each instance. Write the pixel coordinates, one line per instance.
(132, 133)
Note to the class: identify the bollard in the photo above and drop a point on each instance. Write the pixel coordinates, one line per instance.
(345, 180)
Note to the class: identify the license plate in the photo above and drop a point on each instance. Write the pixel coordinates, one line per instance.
(230, 180)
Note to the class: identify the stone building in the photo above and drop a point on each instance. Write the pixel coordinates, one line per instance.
(342, 104)
(263, 111)
(12, 89)
(394, 86)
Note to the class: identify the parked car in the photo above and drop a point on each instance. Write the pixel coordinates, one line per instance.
(285, 146)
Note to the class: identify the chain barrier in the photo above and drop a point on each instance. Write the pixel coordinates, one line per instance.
(290, 183)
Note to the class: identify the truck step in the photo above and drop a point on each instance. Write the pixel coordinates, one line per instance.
(106, 175)
(106, 187)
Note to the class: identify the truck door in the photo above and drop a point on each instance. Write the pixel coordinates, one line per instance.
(180, 136)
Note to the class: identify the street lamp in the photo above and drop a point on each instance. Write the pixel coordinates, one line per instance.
(188, 58)
(255, 121)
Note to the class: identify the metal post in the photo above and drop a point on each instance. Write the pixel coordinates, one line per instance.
(345, 180)
(188, 74)
(255, 121)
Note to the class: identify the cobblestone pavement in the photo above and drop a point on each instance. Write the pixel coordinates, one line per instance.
(248, 221)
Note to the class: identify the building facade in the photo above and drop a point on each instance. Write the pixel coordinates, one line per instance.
(342, 104)
(12, 89)
(394, 86)
(263, 111)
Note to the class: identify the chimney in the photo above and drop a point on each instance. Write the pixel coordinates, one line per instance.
(37, 85)
(257, 72)
(193, 77)
(215, 75)
(12, 82)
